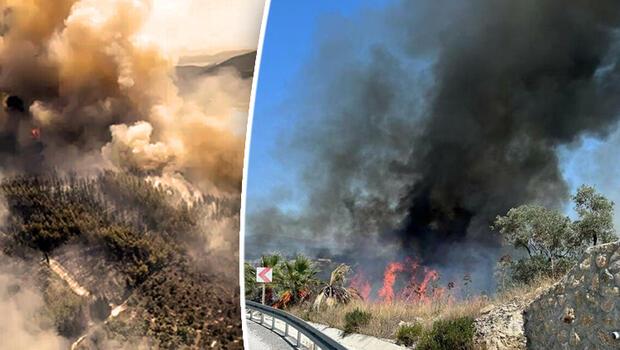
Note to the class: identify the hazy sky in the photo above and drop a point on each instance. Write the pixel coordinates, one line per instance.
(188, 27)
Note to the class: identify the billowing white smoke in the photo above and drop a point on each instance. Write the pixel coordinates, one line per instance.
(131, 148)
(97, 92)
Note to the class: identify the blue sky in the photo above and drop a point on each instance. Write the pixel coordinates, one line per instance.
(293, 32)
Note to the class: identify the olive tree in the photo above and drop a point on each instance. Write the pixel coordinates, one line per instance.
(540, 232)
(549, 241)
(595, 217)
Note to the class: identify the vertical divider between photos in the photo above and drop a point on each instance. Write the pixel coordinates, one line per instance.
(246, 159)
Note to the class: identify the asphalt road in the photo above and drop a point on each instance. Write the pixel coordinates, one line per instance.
(261, 338)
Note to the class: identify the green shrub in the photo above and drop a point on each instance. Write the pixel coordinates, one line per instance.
(408, 335)
(354, 320)
(528, 270)
(456, 334)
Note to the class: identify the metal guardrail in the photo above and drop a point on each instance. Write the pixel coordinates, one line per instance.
(316, 337)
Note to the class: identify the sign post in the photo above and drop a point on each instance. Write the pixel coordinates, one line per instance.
(262, 299)
(264, 275)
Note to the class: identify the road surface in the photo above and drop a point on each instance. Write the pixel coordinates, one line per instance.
(261, 338)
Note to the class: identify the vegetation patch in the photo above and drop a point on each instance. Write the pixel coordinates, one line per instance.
(293, 281)
(146, 233)
(456, 334)
(408, 335)
(335, 291)
(550, 241)
(67, 310)
(354, 320)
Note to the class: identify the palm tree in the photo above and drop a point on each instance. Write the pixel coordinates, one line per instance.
(297, 279)
(335, 292)
(249, 277)
(274, 261)
(271, 260)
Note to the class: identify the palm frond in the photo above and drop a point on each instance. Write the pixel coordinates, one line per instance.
(335, 293)
(339, 274)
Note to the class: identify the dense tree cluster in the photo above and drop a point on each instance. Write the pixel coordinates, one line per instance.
(145, 229)
(185, 306)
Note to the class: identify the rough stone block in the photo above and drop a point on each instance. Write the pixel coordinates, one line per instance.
(585, 306)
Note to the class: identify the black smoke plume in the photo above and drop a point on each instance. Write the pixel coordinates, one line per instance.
(416, 140)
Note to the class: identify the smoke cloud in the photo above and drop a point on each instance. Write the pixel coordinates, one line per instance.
(417, 141)
(131, 147)
(222, 251)
(23, 324)
(82, 90)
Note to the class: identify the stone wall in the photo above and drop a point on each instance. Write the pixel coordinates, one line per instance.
(583, 309)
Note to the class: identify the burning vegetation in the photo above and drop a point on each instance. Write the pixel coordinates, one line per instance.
(413, 146)
(431, 160)
(411, 303)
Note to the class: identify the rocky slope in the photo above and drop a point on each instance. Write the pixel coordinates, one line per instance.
(500, 327)
(581, 311)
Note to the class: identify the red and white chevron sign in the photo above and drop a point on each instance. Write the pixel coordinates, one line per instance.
(264, 274)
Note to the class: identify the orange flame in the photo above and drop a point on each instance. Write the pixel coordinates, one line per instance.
(418, 292)
(422, 286)
(389, 277)
(360, 283)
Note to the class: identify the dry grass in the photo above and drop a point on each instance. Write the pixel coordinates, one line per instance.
(526, 292)
(386, 317)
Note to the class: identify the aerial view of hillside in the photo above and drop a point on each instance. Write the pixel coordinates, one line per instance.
(120, 174)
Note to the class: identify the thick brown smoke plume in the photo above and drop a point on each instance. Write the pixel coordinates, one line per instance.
(83, 91)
